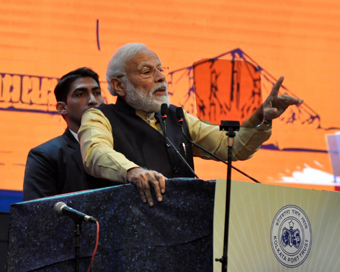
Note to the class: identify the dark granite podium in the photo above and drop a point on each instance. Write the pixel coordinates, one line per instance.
(174, 235)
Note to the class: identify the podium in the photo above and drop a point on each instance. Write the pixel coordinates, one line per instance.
(272, 228)
(174, 235)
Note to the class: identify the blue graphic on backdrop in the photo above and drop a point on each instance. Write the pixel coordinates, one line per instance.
(20, 92)
(97, 34)
(29, 93)
(185, 77)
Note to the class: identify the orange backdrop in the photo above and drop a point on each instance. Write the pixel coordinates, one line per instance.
(42, 40)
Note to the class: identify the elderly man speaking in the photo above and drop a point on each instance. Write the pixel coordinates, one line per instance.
(125, 141)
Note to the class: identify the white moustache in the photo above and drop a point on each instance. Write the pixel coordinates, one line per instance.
(161, 85)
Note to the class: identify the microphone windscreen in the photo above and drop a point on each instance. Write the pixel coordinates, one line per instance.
(179, 113)
(58, 207)
(164, 109)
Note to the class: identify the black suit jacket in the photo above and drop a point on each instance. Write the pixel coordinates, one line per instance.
(56, 167)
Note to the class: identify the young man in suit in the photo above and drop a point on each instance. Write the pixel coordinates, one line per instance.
(56, 167)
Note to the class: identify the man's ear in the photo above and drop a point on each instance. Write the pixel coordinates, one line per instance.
(61, 107)
(118, 86)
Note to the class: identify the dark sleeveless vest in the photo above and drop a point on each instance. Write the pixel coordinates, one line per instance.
(144, 145)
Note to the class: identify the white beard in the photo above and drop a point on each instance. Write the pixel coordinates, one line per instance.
(139, 100)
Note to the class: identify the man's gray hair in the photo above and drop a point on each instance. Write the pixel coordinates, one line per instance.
(116, 66)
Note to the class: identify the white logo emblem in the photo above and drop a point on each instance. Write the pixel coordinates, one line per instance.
(291, 236)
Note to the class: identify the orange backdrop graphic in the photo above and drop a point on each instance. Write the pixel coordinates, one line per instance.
(42, 40)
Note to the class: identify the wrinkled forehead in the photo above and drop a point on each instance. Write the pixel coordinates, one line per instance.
(141, 59)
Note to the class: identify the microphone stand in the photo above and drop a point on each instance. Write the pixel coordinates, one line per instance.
(62, 209)
(164, 113)
(77, 244)
(231, 127)
(181, 157)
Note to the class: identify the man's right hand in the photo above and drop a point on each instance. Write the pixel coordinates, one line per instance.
(143, 178)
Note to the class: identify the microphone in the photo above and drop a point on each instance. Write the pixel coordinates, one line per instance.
(62, 209)
(164, 113)
(180, 117)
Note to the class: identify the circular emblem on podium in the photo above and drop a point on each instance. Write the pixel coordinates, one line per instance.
(291, 236)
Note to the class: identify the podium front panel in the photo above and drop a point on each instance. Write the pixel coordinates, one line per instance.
(174, 235)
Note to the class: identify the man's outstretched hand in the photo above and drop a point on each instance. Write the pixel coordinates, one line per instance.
(276, 104)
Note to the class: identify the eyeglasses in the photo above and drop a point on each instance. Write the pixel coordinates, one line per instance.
(148, 71)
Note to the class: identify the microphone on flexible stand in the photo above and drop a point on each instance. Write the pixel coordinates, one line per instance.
(62, 209)
(180, 117)
(164, 113)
